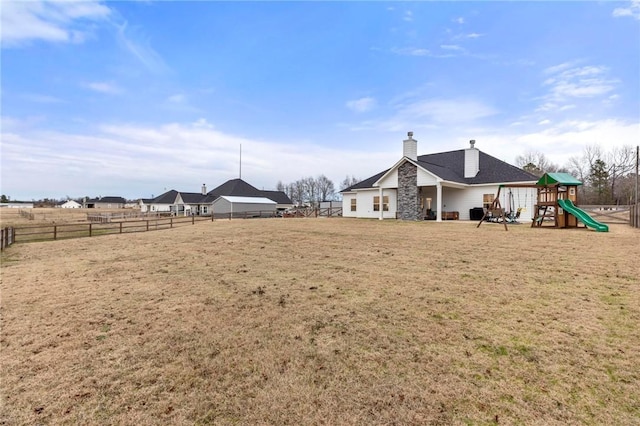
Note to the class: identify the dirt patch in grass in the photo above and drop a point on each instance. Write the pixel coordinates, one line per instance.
(324, 321)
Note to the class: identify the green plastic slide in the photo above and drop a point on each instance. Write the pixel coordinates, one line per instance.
(582, 216)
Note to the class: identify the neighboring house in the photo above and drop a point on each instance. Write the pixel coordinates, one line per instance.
(105, 203)
(446, 185)
(70, 204)
(283, 201)
(144, 204)
(193, 203)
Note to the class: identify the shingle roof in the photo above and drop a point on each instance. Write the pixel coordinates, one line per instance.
(367, 183)
(450, 166)
(277, 196)
(236, 187)
(197, 198)
(168, 197)
(109, 199)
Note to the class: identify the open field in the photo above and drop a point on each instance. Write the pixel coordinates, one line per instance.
(324, 321)
(45, 216)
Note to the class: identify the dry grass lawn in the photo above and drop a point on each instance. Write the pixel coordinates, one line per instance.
(324, 321)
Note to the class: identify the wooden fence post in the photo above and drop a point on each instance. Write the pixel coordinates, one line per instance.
(90, 229)
(121, 227)
(55, 232)
(193, 220)
(147, 224)
(170, 222)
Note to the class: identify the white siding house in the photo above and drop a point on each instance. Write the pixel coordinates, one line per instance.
(440, 186)
(71, 205)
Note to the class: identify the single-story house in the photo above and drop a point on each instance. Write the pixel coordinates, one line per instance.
(283, 201)
(70, 204)
(105, 203)
(194, 203)
(446, 185)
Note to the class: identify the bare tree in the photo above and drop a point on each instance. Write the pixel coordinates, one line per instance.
(621, 162)
(536, 163)
(348, 181)
(326, 189)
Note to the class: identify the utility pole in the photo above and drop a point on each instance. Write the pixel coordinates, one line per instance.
(240, 161)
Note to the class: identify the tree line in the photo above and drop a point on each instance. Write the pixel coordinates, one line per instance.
(311, 191)
(607, 176)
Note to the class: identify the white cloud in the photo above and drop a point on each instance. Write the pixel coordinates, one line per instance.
(567, 81)
(544, 122)
(408, 16)
(173, 155)
(633, 10)
(60, 22)
(459, 20)
(362, 104)
(178, 98)
(103, 87)
(140, 48)
(41, 99)
(451, 47)
(410, 51)
(428, 114)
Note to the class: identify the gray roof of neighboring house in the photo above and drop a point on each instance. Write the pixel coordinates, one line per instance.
(237, 188)
(233, 187)
(110, 199)
(450, 166)
(277, 196)
(194, 198)
(168, 197)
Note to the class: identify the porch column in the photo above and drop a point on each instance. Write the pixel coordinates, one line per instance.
(381, 205)
(439, 202)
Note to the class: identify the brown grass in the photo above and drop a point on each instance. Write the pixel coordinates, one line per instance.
(324, 321)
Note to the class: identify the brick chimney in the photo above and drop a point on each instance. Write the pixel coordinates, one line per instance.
(471, 160)
(410, 147)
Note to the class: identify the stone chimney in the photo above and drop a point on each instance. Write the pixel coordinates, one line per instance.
(471, 160)
(410, 147)
(204, 189)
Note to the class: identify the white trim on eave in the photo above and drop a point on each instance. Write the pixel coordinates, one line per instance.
(398, 164)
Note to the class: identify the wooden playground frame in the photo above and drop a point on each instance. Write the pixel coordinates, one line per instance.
(546, 207)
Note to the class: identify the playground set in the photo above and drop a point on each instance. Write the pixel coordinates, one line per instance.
(556, 205)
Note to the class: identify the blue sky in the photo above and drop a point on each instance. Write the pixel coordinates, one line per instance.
(132, 98)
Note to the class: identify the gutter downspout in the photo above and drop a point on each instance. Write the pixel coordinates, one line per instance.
(381, 204)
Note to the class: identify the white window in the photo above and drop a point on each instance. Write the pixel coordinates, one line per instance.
(385, 203)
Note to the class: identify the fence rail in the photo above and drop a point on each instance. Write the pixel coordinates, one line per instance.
(109, 217)
(48, 232)
(7, 237)
(608, 213)
(78, 230)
